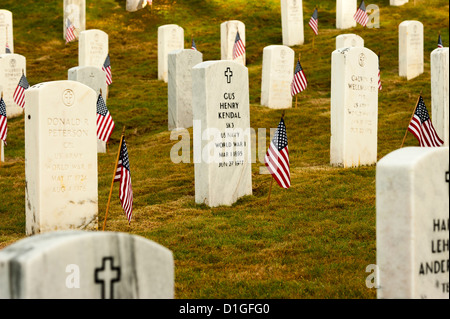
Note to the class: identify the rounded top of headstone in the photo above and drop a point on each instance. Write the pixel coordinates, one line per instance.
(408, 23)
(169, 26)
(409, 156)
(94, 31)
(12, 56)
(233, 21)
(218, 63)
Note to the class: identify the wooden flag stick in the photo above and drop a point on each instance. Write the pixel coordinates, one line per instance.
(271, 182)
(114, 175)
(406, 133)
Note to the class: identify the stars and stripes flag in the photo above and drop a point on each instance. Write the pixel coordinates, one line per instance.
(277, 157)
(3, 121)
(70, 32)
(299, 81)
(123, 175)
(380, 87)
(361, 15)
(314, 22)
(105, 123)
(193, 46)
(422, 128)
(440, 42)
(7, 49)
(107, 69)
(19, 92)
(239, 47)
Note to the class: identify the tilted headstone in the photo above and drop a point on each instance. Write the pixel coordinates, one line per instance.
(345, 10)
(92, 48)
(439, 93)
(410, 49)
(412, 189)
(170, 37)
(292, 22)
(277, 74)
(349, 40)
(397, 2)
(181, 63)
(95, 78)
(135, 5)
(86, 265)
(6, 31)
(60, 157)
(354, 107)
(228, 31)
(11, 68)
(222, 150)
(75, 11)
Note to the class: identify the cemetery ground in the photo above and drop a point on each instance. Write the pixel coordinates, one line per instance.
(313, 240)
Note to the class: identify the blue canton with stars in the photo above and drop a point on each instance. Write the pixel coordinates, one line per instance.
(124, 156)
(422, 111)
(101, 106)
(280, 136)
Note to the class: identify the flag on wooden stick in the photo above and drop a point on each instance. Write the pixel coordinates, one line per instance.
(314, 22)
(361, 15)
(299, 81)
(3, 120)
(19, 92)
(239, 47)
(70, 31)
(277, 157)
(380, 87)
(107, 69)
(422, 128)
(123, 175)
(105, 123)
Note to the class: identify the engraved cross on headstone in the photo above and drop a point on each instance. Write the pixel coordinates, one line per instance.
(228, 74)
(107, 276)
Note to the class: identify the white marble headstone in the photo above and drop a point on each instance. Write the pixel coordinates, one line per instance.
(354, 107)
(170, 37)
(410, 49)
(75, 11)
(181, 63)
(61, 157)
(92, 48)
(397, 2)
(228, 31)
(222, 137)
(86, 265)
(277, 74)
(412, 189)
(11, 68)
(95, 78)
(292, 22)
(6, 31)
(135, 5)
(345, 10)
(439, 93)
(349, 40)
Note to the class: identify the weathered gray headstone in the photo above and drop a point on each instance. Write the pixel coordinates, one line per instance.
(292, 22)
(92, 48)
(354, 107)
(75, 11)
(86, 265)
(277, 74)
(179, 90)
(170, 37)
(410, 49)
(222, 137)
(349, 40)
(228, 31)
(95, 78)
(11, 68)
(439, 93)
(61, 157)
(412, 189)
(6, 31)
(345, 10)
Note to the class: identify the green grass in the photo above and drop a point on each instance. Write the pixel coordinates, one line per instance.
(313, 240)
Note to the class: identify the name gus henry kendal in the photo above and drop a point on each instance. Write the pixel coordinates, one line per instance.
(229, 106)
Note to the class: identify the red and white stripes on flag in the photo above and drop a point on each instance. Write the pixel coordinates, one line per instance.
(299, 81)
(361, 15)
(3, 121)
(380, 87)
(105, 123)
(70, 32)
(422, 128)
(238, 47)
(19, 92)
(314, 22)
(277, 157)
(123, 175)
(107, 69)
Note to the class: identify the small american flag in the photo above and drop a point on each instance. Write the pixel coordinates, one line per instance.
(277, 157)
(380, 87)
(440, 42)
(422, 128)
(107, 69)
(314, 22)
(3, 121)
(70, 32)
(193, 46)
(239, 47)
(105, 123)
(19, 93)
(361, 15)
(7, 49)
(123, 175)
(299, 82)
